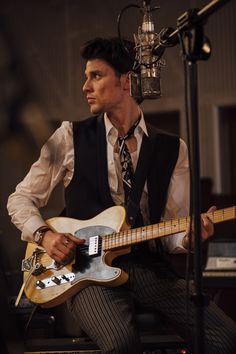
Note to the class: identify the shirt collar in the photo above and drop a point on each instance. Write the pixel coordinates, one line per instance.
(112, 133)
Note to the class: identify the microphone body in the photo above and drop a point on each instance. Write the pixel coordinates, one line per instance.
(145, 79)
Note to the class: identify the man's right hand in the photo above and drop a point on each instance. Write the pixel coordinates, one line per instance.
(60, 246)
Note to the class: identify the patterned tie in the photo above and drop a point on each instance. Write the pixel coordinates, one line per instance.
(127, 169)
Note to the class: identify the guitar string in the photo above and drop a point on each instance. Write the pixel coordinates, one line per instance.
(161, 229)
(166, 227)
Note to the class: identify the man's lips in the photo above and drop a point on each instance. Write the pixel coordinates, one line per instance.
(90, 99)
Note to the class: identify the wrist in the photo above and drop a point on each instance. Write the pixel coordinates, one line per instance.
(39, 234)
(186, 241)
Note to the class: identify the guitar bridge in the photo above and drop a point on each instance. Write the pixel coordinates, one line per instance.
(28, 263)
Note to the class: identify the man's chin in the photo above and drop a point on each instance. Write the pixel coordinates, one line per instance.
(95, 110)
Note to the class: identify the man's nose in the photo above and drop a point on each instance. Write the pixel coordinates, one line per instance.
(86, 86)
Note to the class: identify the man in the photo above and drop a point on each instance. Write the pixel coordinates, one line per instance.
(87, 156)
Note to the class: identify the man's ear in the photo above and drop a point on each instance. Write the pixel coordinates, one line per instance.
(126, 80)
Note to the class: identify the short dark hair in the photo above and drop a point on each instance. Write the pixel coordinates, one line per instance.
(118, 53)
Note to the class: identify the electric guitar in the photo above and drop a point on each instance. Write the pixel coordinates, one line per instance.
(48, 284)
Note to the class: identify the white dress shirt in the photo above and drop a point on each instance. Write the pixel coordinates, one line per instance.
(56, 163)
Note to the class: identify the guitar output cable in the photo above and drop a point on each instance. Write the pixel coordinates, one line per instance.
(29, 321)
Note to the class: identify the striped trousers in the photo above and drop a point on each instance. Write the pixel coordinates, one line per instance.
(107, 314)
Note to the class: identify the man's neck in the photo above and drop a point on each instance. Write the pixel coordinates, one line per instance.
(124, 119)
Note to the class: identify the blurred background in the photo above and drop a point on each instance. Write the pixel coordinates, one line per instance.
(41, 78)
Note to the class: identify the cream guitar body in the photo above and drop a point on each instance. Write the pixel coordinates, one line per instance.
(106, 237)
(92, 265)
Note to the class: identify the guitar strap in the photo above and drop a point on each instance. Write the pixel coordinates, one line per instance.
(134, 217)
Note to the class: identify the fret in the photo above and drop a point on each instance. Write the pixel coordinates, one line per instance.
(164, 228)
(222, 214)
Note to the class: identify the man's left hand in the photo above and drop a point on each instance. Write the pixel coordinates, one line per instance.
(207, 229)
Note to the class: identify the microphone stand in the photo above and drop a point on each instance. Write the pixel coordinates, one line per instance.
(195, 47)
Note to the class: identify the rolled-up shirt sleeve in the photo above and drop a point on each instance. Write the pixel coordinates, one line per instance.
(53, 166)
(177, 205)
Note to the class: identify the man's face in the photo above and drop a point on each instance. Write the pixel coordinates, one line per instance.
(104, 89)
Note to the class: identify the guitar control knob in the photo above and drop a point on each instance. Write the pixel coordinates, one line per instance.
(65, 277)
(56, 280)
(40, 284)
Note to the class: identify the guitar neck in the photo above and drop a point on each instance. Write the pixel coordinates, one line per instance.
(165, 228)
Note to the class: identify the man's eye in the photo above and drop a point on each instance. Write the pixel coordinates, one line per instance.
(96, 76)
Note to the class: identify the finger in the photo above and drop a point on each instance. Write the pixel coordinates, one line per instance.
(211, 209)
(206, 217)
(67, 242)
(58, 256)
(207, 224)
(67, 248)
(64, 253)
(60, 248)
(75, 239)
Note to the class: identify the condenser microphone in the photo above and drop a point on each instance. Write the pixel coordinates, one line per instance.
(145, 78)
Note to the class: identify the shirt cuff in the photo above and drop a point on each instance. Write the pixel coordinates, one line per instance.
(31, 225)
(174, 243)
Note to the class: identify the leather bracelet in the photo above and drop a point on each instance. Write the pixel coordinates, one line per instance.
(39, 234)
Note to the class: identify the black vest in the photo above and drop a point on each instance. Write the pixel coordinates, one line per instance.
(88, 192)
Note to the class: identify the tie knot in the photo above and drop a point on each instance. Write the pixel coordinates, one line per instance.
(129, 133)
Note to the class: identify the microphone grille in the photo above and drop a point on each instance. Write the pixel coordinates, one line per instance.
(151, 87)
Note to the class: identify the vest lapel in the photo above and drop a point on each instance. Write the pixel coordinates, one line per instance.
(102, 162)
(141, 174)
(163, 163)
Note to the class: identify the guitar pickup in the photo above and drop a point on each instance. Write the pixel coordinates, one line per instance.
(93, 248)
